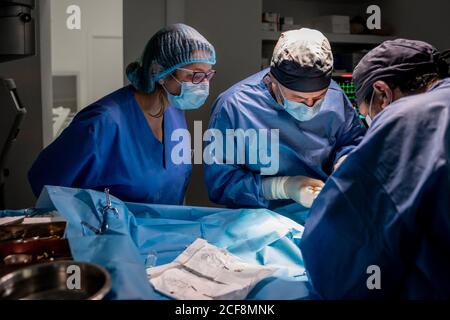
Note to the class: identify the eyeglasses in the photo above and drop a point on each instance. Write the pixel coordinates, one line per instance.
(200, 76)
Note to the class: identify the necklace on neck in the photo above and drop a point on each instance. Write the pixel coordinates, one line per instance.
(158, 115)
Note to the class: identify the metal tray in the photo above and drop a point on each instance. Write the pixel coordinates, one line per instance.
(50, 281)
(20, 232)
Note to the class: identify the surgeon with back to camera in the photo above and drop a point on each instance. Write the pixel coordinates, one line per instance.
(381, 226)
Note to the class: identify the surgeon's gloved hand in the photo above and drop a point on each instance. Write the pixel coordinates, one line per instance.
(301, 189)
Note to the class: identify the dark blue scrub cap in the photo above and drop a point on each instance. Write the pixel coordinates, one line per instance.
(397, 59)
(170, 48)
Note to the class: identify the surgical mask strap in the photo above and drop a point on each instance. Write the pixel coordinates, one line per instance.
(371, 102)
(176, 79)
(280, 93)
(164, 87)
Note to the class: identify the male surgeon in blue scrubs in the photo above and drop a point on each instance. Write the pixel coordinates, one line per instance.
(381, 226)
(123, 141)
(318, 127)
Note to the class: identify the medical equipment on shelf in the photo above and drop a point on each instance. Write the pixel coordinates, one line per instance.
(345, 81)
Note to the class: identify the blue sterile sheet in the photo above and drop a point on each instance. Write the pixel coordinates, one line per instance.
(257, 236)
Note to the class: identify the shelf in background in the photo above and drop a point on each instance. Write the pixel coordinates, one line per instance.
(337, 38)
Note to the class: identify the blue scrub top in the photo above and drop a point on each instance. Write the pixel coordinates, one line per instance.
(308, 148)
(388, 206)
(110, 144)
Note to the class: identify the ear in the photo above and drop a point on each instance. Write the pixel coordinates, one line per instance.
(386, 94)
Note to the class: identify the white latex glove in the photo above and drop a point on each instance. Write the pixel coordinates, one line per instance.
(301, 189)
(340, 162)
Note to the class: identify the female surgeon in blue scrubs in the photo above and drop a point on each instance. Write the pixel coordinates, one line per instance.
(123, 141)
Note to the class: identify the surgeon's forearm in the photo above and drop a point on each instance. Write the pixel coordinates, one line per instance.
(234, 187)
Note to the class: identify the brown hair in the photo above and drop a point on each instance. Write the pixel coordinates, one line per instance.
(161, 95)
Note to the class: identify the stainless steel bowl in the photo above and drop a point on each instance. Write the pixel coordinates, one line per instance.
(49, 281)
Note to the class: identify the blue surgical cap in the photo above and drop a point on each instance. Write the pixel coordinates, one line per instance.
(170, 48)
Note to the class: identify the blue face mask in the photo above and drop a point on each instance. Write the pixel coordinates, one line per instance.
(192, 96)
(301, 111)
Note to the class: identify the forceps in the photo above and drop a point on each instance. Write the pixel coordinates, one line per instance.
(108, 207)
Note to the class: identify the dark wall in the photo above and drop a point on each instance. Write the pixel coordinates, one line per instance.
(141, 19)
(421, 20)
(233, 27)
